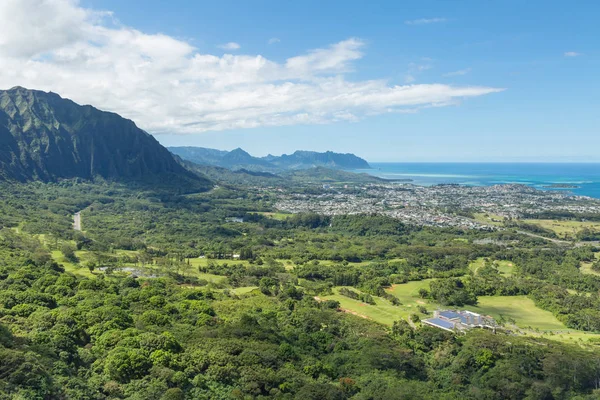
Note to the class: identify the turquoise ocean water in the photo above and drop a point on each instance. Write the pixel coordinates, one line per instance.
(586, 177)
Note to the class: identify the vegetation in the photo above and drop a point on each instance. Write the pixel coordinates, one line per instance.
(166, 296)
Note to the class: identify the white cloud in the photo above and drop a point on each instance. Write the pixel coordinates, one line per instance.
(230, 46)
(415, 69)
(168, 86)
(460, 72)
(572, 54)
(274, 40)
(424, 21)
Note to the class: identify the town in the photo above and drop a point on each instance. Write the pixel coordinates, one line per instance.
(439, 205)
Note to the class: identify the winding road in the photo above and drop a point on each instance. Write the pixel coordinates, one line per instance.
(77, 221)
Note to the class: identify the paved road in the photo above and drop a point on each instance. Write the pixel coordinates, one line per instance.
(77, 221)
(557, 241)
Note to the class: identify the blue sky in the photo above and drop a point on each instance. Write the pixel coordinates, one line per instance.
(534, 65)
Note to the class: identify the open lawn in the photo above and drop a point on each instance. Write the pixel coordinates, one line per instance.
(489, 219)
(383, 311)
(520, 308)
(203, 262)
(243, 289)
(505, 268)
(586, 267)
(408, 292)
(529, 319)
(211, 277)
(275, 215)
(565, 229)
(70, 267)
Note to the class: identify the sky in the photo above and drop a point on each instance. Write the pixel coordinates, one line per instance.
(391, 81)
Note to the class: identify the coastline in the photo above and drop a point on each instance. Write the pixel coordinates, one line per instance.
(577, 178)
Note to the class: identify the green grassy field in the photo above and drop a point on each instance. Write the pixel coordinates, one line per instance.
(520, 308)
(489, 219)
(203, 262)
(244, 289)
(275, 215)
(566, 229)
(219, 279)
(505, 268)
(529, 319)
(586, 268)
(70, 267)
(383, 311)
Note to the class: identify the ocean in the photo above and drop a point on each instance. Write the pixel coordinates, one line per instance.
(585, 178)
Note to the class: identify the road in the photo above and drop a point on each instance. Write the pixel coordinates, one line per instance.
(77, 221)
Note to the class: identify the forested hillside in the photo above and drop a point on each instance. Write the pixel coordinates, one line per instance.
(240, 159)
(167, 296)
(45, 137)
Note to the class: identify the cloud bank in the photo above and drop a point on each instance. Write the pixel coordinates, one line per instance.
(425, 21)
(230, 46)
(460, 72)
(168, 86)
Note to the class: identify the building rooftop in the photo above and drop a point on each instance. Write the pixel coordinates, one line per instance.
(441, 323)
(451, 320)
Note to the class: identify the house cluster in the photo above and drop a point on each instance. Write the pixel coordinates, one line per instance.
(459, 320)
(436, 205)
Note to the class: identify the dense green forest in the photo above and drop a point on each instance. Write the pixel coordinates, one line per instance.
(210, 296)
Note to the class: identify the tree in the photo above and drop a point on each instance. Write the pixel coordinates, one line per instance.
(91, 266)
(123, 364)
(68, 252)
(451, 291)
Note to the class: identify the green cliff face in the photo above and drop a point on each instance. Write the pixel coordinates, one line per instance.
(45, 137)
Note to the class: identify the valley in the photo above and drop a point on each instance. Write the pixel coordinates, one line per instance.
(183, 281)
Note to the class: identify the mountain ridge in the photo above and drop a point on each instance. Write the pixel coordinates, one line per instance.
(46, 137)
(240, 159)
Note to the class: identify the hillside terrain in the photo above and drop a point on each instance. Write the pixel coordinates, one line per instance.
(317, 175)
(292, 283)
(215, 295)
(45, 137)
(240, 159)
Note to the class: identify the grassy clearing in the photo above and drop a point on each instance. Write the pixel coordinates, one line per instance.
(489, 219)
(586, 268)
(243, 289)
(70, 267)
(520, 308)
(408, 292)
(203, 262)
(219, 279)
(383, 311)
(504, 267)
(275, 215)
(565, 229)
(529, 319)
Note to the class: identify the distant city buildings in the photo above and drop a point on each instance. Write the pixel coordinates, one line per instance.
(439, 205)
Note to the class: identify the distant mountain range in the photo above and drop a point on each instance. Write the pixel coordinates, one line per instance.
(240, 159)
(45, 137)
(300, 177)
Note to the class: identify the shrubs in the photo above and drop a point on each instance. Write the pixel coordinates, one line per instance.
(451, 292)
(365, 298)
